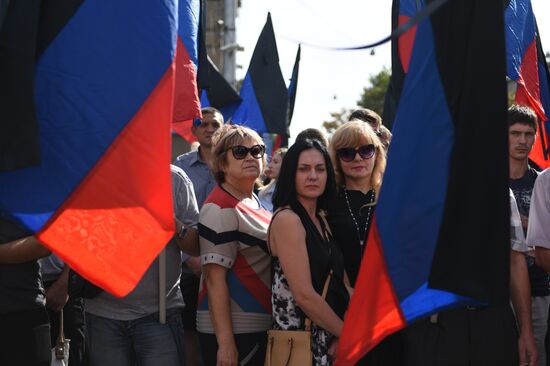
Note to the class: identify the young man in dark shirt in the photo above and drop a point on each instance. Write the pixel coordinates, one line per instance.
(521, 137)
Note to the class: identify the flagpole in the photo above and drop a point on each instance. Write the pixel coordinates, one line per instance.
(162, 286)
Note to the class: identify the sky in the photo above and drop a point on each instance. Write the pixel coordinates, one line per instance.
(329, 80)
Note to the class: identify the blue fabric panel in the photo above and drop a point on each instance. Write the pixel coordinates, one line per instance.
(229, 110)
(410, 7)
(544, 94)
(242, 296)
(520, 33)
(239, 294)
(188, 29)
(425, 301)
(412, 197)
(204, 99)
(90, 83)
(249, 113)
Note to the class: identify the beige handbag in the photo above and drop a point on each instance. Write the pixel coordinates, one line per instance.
(292, 347)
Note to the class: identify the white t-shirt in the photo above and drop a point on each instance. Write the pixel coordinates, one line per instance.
(538, 231)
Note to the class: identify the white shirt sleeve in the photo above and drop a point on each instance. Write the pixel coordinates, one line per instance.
(538, 230)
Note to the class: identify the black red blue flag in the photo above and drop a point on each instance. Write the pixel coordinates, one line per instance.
(440, 236)
(104, 90)
(265, 98)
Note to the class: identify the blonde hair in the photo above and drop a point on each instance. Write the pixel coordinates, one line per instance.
(223, 140)
(353, 134)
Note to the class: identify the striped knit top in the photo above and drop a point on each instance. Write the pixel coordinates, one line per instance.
(233, 235)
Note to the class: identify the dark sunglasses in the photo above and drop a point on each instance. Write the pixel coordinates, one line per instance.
(240, 151)
(347, 154)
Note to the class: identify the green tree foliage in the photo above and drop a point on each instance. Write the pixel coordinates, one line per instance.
(372, 97)
(336, 120)
(374, 94)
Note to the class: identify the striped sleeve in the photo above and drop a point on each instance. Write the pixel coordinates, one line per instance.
(218, 231)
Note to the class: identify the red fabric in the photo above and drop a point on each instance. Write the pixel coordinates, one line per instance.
(374, 311)
(121, 216)
(183, 129)
(528, 93)
(186, 96)
(277, 143)
(406, 43)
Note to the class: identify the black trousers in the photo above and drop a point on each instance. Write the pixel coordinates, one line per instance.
(74, 329)
(189, 285)
(251, 348)
(388, 353)
(25, 338)
(463, 337)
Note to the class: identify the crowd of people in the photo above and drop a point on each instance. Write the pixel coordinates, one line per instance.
(275, 246)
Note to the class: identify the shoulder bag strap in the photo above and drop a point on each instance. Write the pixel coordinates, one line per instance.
(307, 322)
(325, 225)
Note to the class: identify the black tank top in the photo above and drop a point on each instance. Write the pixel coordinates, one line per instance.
(324, 255)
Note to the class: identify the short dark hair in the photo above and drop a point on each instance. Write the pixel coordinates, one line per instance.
(313, 134)
(212, 110)
(366, 115)
(285, 189)
(522, 114)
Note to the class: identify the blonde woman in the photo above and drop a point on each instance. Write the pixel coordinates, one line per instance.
(234, 305)
(272, 172)
(359, 160)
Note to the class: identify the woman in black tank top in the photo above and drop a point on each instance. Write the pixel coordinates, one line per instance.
(304, 252)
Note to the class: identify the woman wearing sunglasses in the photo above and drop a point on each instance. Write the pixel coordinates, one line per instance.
(303, 250)
(234, 307)
(359, 160)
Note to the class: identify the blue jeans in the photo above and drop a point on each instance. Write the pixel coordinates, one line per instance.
(142, 342)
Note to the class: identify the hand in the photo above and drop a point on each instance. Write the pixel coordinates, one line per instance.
(227, 355)
(524, 221)
(57, 295)
(194, 264)
(527, 349)
(333, 348)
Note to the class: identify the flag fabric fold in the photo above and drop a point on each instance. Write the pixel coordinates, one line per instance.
(282, 140)
(219, 93)
(26, 29)
(264, 106)
(101, 196)
(186, 99)
(428, 247)
(401, 49)
(526, 65)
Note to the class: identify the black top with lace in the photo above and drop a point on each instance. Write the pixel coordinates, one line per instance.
(345, 231)
(323, 256)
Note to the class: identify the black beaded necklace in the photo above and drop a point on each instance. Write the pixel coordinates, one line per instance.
(360, 234)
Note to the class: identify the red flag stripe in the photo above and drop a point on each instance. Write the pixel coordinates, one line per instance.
(120, 217)
(374, 310)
